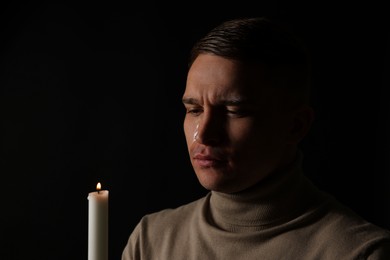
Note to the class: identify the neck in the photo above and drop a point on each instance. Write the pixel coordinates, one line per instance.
(274, 199)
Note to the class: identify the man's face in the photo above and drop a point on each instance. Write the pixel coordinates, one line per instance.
(236, 127)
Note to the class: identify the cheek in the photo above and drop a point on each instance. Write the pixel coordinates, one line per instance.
(196, 133)
(240, 131)
(191, 127)
(255, 135)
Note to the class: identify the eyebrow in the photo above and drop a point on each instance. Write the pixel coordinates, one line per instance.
(230, 102)
(190, 101)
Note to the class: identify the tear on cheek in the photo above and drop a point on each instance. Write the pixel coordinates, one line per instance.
(195, 135)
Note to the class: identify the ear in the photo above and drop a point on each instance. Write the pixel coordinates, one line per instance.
(301, 121)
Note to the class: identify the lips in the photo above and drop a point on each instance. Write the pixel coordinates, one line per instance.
(207, 160)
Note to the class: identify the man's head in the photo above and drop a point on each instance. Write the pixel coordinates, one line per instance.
(247, 103)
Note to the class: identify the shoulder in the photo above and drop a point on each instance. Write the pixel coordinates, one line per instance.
(157, 232)
(174, 215)
(171, 220)
(174, 223)
(345, 231)
(344, 220)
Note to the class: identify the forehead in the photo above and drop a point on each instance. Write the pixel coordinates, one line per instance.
(214, 77)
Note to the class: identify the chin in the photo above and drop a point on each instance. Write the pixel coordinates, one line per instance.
(209, 179)
(217, 183)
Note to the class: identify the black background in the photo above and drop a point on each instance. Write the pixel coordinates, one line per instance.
(92, 92)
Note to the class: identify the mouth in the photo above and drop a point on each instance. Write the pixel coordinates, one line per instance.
(206, 161)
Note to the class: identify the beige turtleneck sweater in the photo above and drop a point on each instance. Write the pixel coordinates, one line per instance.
(283, 217)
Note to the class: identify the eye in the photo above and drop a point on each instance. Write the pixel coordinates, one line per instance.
(194, 111)
(237, 112)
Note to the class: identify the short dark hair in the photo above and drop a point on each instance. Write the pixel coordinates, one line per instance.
(260, 40)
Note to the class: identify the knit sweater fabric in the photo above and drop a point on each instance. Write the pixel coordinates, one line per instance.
(283, 217)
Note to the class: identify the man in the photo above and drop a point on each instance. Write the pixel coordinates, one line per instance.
(247, 109)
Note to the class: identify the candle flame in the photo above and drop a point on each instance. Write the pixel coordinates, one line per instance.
(98, 186)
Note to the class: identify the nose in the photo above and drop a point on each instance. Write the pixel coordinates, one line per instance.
(210, 129)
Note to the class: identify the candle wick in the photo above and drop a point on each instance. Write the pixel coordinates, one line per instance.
(98, 191)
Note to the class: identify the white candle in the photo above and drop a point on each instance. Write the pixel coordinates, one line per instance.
(98, 224)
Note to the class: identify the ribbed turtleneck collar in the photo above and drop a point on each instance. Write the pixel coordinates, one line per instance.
(274, 200)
